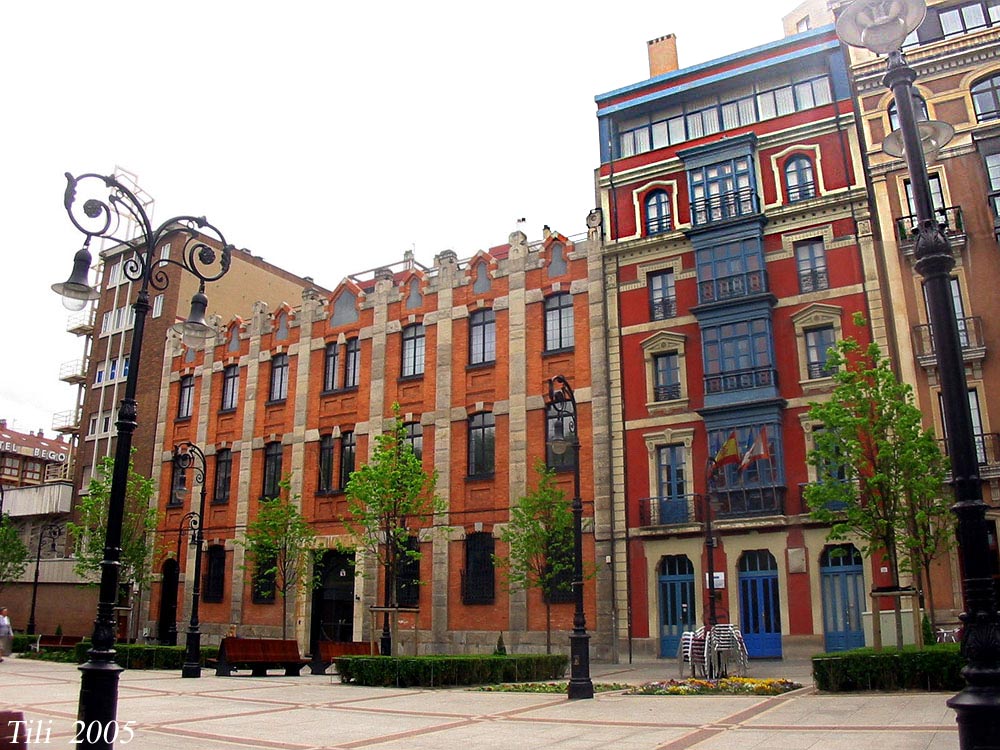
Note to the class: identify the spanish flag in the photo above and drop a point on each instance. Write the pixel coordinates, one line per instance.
(729, 453)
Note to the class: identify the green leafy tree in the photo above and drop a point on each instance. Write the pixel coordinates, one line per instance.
(138, 525)
(279, 544)
(388, 499)
(539, 539)
(879, 472)
(13, 552)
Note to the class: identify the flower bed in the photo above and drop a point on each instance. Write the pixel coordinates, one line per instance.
(725, 686)
(547, 687)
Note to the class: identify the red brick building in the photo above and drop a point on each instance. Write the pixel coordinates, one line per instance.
(466, 349)
(738, 247)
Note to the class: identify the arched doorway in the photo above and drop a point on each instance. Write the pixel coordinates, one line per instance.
(333, 600)
(167, 626)
(676, 578)
(842, 580)
(760, 604)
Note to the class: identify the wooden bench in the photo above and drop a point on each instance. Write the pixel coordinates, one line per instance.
(259, 654)
(56, 642)
(328, 651)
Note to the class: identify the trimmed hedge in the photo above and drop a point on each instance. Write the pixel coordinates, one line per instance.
(936, 667)
(22, 643)
(437, 671)
(134, 655)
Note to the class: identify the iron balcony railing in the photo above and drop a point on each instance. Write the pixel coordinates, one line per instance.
(66, 421)
(820, 370)
(987, 447)
(813, 280)
(73, 372)
(660, 511)
(732, 287)
(667, 392)
(747, 502)
(723, 207)
(949, 219)
(741, 380)
(660, 309)
(970, 336)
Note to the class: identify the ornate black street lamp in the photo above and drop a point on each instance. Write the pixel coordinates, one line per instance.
(562, 399)
(188, 455)
(107, 209)
(881, 26)
(51, 531)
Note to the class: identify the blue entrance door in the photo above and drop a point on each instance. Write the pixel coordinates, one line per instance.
(843, 584)
(760, 605)
(676, 602)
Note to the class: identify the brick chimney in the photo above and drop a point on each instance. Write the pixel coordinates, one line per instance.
(662, 53)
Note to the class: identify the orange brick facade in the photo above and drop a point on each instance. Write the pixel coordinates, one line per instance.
(515, 282)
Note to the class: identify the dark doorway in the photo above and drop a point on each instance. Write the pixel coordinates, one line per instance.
(167, 629)
(333, 600)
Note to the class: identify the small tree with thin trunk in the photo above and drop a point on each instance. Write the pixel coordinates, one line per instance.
(388, 499)
(539, 539)
(879, 472)
(138, 526)
(279, 544)
(13, 552)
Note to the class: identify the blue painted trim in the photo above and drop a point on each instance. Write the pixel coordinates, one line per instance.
(690, 88)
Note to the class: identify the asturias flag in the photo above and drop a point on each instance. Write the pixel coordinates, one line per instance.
(756, 451)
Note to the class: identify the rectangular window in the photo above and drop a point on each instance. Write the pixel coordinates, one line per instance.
(348, 449)
(737, 356)
(325, 481)
(729, 270)
(993, 178)
(482, 432)
(818, 344)
(482, 337)
(33, 471)
(414, 339)
(157, 306)
(272, 470)
(264, 588)
(185, 400)
(408, 574)
(666, 377)
(11, 466)
(113, 369)
(352, 364)
(178, 486)
(230, 387)
(662, 302)
(223, 476)
(125, 366)
(478, 577)
(558, 322)
(330, 366)
(937, 197)
(810, 258)
(279, 378)
(214, 582)
(415, 438)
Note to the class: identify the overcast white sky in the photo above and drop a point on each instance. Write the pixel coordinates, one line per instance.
(326, 137)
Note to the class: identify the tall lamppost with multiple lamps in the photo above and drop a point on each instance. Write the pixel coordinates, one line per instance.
(100, 206)
(187, 455)
(882, 26)
(50, 531)
(563, 400)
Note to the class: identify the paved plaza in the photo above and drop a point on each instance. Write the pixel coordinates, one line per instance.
(315, 711)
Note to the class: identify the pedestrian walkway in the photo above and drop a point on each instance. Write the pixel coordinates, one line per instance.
(316, 712)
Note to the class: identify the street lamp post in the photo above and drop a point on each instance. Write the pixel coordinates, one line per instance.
(882, 27)
(50, 531)
(108, 210)
(562, 399)
(188, 455)
(713, 618)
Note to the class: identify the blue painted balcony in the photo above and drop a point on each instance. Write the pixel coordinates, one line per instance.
(715, 209)
(662, 511)
(732, 287)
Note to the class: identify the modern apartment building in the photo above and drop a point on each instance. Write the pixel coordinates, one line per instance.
(738, 247)
(466, 349)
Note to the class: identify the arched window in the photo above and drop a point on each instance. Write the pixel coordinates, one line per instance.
(658, 212)
(986, 99)
(799, 179)
(919, 111)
